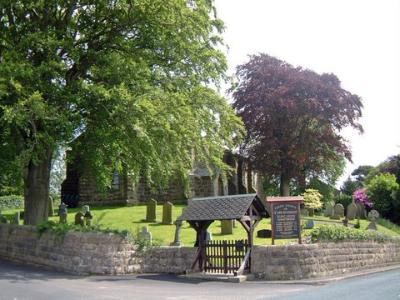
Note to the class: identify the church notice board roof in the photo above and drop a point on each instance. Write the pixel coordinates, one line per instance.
(285, 199)
(221, 207)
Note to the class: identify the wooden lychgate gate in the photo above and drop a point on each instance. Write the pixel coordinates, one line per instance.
(224, 256)
(227, 257)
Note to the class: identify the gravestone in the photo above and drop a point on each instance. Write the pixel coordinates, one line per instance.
(361, 212)
(328, 210)
(264, 233)
(373, 216)
(177, 239)
(87, 215)
(351, 211)
(16, 218)
(309, 224)
(304, 212)
(167, 213)
(146, 235)
(226, 227)
(79, 220)
(338, 211)
(63, 212)
(151, 210)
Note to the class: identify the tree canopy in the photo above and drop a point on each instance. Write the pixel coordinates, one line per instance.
(293, 117)
(128, 82)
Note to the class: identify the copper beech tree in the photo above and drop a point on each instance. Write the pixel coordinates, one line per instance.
(293, 117)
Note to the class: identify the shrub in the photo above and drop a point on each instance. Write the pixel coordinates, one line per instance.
(380, 190)
(341, 233)
(312, 199)
(360, 196)
(11, 202)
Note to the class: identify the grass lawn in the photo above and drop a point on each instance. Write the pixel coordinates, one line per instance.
(132, 219)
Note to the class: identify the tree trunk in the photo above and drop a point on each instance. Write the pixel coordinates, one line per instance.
(284, 185)
(36, 190)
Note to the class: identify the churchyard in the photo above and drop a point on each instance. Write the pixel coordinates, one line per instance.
(133, 219)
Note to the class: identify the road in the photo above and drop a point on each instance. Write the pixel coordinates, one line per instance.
(29, 283)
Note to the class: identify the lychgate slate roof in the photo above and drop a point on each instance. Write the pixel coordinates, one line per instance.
(221, 207)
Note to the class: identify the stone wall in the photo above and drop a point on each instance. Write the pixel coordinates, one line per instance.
(78, 253)
(100, 253)
(320, 260)
(89, 253)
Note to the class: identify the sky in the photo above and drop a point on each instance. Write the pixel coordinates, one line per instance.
(357, 40)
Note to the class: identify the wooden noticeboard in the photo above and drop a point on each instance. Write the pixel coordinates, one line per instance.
(285, 217)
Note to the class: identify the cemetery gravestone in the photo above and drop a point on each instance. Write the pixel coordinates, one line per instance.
(146, 235)
(226, 227)
(209, 236)
(373, 216)
(304, 212)
(328, 210)
(167, 213)
(338, 211)
(87, 215)
(264, 233)
(177, 239)
(151, 210)
(16, 218)
(79, 219)
(63, 213)
(361, 212)
(351, 211)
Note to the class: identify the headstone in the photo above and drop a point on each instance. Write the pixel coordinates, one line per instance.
(373, 216)
(264, 233)
(372, 226)
(151, 210)
(63, 212)
(226, 227)
(146, 235)
(346, 222)
(87, 215)
(328, 210)
(167, 213)
(177, 239)
(309, 224)
(351, 211)
(361, 212)
(304, 212)
(16, 218)
(338, 211)
(79, 220)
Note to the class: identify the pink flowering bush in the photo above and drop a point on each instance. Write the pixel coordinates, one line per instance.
(360, 196)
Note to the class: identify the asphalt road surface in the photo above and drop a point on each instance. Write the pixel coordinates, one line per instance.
(28, 283)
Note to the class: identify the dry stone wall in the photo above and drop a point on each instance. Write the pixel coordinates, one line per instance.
(320, 260)
(100, 253)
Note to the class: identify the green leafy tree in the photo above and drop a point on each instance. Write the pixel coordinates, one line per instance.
(312, 200)
(128, 82)
(380, 190)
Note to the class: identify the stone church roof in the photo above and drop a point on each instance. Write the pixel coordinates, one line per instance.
(221, 207)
